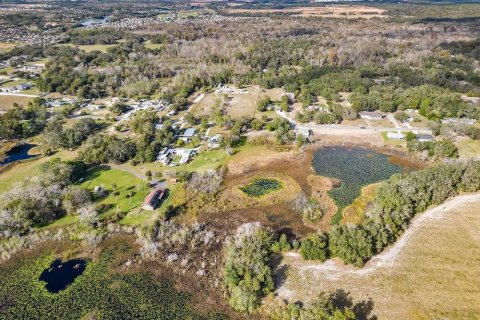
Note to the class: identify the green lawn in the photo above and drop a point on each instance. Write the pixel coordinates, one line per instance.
(468, 148)
(150, 45)
(67, 220)
(28, 168)
(131, 190)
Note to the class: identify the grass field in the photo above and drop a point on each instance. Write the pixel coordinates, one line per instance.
(243, 104)
(468, 148)
(6, 102)
(28, 168)
(354, 213)
(92, 47)
(131, 189)
(150, 45)
(7, 46)
(435, 276)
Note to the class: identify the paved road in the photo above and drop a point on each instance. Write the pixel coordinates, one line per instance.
(326, 128)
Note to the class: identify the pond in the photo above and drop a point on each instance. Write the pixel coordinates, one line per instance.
(20, 152)
(92, 22)
(354, 167)
(60, 274)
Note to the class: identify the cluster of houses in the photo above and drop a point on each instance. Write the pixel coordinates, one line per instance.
(16, 88)
(15, 34)
(156, 105)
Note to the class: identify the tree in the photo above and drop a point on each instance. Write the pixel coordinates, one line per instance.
(401, 116)
(314, 247)
(247, 274)
(88, 214)
(410, 136)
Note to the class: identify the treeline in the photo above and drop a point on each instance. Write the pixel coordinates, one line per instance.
(23, 122)
(41, 200)
(55, 136)
(396, 202)
(95, 36)
(432, 102)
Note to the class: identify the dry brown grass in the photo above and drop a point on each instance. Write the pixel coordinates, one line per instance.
(336, 11)
(354, 212)
(205, 107)
(6, 102)
(233, 198)
(435, 276)
(243, 104)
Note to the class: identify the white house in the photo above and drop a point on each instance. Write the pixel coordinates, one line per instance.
(214, 142)
(395, 135)
(303, 131)
(188, 134)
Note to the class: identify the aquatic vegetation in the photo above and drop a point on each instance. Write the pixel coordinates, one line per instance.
(261, 186)
(100, 292)
(354, 167)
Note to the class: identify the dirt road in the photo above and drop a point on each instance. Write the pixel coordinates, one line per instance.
(334, 269)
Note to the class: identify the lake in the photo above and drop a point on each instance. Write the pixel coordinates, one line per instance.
(61, 274)
(20, 152)
(91, 22)
(354, 167)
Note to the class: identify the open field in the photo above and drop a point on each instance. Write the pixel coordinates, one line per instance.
(6, 102)
(467, 147)
(92, 47)
(7, 46)
(335, 11)
(243, 104)
(431, 272)
(131, 191)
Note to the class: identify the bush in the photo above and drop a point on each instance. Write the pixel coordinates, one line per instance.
(260, 187)
(314, 247)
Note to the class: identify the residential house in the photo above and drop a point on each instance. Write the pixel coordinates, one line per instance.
(188, 134)
(425, 137)
(395, 135)
(153, 198)
(172, 157)
(303, 131)
(215, 141)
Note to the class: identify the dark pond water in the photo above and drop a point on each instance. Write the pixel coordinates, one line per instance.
(60, 274)
(354, 167)
(18, 153)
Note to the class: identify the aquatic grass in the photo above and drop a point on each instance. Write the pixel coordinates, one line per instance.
(261, 186)
(355, 168)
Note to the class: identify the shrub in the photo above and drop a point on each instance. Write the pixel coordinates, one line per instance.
(260, 187)
(314, 247)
